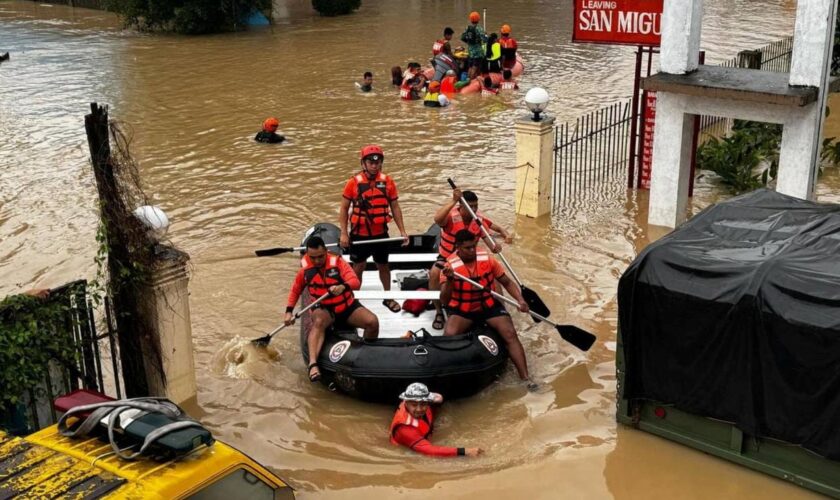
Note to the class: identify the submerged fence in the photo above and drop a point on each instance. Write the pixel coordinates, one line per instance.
(592, 150)
(591, 154)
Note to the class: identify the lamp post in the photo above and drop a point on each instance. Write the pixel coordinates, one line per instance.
(537, 100)
(155, 219)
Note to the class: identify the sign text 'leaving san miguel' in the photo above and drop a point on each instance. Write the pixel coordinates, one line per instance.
(631, 22)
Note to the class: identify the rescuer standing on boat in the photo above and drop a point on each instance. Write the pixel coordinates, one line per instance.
(468, 306)
(414, 420)
(369, 202)
(323, 272)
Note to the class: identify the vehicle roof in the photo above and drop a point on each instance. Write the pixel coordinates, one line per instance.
(47, 464)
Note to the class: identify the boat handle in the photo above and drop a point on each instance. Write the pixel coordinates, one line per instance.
(420, 351)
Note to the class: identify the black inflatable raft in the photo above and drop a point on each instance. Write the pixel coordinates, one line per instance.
(380, 370)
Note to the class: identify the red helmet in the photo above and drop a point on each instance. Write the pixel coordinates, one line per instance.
(505, 29)
(475, 17)
(371, 149)
(271, 124)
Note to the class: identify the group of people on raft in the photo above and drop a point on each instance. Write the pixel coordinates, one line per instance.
(370, 200)
(456, 69)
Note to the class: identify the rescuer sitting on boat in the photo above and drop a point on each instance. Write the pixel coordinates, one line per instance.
(414, 420)
(468, 305)
(269, 132)
(323, 272)
(452, 217)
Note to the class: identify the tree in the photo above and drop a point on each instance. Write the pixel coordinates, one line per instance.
(331, 8)
(186, 16)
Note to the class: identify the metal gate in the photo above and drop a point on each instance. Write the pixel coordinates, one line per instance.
(591, 151)
(77, 324)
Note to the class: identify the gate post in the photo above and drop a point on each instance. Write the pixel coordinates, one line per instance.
(166, 295)
(534, 165)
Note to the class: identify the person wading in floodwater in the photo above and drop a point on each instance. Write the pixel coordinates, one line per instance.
(414, 420)
(368, 203)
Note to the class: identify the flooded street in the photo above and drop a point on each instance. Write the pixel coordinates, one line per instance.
(194, 105)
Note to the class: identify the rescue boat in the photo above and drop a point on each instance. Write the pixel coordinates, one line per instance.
(475, 85)
(408, 348)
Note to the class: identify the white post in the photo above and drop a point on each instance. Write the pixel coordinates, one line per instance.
(535, 165)
(681, 26)
(169, 309)
(810, 63)
(672, 141)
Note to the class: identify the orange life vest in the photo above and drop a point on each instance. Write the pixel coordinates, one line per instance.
(371, 206)
(447, 239)
(405, 91)
(319, 282)
(402, 417)
(465, 297)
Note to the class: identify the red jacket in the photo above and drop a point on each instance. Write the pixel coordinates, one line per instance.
(413, 433)
(318, 280)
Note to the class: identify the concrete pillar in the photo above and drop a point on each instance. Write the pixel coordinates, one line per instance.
(672, 141)
(813, 39)
(535, 165)
(798, 158)
(681, 26)
(167, 304)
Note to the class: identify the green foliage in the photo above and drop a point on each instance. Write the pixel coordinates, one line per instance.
(748, 158)
(191, 17)
(30, 337)
(331, 8)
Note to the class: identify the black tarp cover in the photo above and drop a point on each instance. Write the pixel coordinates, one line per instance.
(735, 315)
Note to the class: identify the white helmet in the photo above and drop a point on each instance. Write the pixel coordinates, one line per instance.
(418, 392)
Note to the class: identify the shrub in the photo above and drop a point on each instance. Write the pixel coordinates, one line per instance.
(331, 8)
(185, 16)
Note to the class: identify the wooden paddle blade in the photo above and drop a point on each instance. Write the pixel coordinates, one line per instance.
(268, 252)
(578, 337)
(535, 303)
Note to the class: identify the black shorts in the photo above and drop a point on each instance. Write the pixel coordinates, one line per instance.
(497, 310)
(360, 253)
(340, 319)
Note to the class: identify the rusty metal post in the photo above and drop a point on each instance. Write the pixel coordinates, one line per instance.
(634, 119)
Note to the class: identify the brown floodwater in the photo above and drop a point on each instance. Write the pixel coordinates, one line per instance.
(193, 105)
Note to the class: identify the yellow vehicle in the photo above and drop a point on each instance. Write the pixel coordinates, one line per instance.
(48, 465)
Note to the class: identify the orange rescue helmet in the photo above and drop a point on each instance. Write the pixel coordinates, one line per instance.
(435, 85)
(505, 29)
(371, 149)
(475, 17)
(270, 124)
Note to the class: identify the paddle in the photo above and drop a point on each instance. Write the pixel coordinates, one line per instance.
(268, 252)
(534, 301)
(578, 337)
(263, 341)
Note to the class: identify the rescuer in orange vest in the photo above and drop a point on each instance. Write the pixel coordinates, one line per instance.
(469, 306)
(414, 420)
(322, 273)
(369, 202)
(452, 217)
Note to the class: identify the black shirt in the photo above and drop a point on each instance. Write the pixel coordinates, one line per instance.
(270, 137)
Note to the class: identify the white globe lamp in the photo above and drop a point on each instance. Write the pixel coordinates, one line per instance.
(537, 100)
(154, 218)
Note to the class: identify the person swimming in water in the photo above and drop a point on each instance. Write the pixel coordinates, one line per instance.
(269, 132)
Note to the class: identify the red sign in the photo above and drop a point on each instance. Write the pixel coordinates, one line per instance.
(649, 115)
(628, 22)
